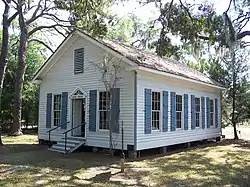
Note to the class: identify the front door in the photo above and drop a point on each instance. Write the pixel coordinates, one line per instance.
(78, 117)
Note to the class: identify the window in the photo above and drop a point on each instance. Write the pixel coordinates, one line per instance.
(178, 111)
(104, 98)
(57, 110)
(78, 60)
(197, 112)
(156, 109)
(211, 112)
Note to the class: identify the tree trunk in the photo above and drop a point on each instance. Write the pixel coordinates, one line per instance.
(4, 50)
(235, 132)
(17, 117)
(234, 97)
(111, 150)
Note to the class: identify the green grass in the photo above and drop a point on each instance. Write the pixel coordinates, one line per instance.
(24, 139)
(225, 164)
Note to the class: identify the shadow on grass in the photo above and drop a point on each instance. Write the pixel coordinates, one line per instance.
(218, 164)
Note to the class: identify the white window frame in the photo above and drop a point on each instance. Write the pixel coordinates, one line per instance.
(212, 113)
(197, 112)
(53, 111)
(182, 111)
(160, 111)
(98, 112)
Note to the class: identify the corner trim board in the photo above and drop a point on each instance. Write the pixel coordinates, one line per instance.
(135, 110)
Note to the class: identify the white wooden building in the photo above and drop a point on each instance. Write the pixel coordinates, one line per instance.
(161, 102)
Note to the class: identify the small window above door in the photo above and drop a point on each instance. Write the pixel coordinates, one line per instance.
(78, 60)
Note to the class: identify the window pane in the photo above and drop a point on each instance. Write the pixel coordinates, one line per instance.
(103, 109)
(178, 124)
(156, 107)
(211, 105)
(212, 119)
(197, 117)
(57, 110)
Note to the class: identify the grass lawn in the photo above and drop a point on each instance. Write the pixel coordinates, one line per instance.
(221, 164)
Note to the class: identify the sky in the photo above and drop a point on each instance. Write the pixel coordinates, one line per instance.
(149, 11)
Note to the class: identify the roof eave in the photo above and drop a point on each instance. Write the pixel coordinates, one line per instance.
(175, 76)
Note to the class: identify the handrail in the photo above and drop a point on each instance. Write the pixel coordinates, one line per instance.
(73, 128)
(66, 134)
(49, 131)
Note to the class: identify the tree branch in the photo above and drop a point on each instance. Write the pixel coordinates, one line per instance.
(12, 17)
(37, 9)
(186, 9)
(41, 42)
(5, 2)
(60, 32)
(243, 34)
(230, 2)
(46, 27)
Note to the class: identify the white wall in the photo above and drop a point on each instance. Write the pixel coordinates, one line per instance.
(61, 78)
(158, 138)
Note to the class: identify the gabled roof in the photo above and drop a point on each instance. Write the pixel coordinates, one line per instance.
(148, 60)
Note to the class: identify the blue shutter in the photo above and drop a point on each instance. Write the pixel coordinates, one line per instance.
(148, 109)
(173, 111)
(92, 110)
(193, 112)
(165, 111)
(203, 112)
(115, 109)
(216, 113)
(64, 110)
(185, 111)
(208, 111)
(48, 110)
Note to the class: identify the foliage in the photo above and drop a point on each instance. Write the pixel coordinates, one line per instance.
(35, 58)
(89, 16)
(133, 31)
(189, 23)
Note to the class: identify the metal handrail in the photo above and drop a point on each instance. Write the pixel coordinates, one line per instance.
(66, 134)
(49, 131)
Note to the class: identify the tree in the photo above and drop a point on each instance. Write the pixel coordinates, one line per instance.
(236, 97)
(89, 15)
(193, 22)
(31, 22)
(35, 58)
(4, 47)
(110, 69)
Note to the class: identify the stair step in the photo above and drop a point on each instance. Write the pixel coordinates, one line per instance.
(56, 150)
(75, 138)
(69, 143)
(61, 147)
(73, 143)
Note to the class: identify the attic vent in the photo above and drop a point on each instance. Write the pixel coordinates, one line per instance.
(78, 60)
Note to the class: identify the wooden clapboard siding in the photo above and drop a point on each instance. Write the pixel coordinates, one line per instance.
(61, 78)
(161, 83)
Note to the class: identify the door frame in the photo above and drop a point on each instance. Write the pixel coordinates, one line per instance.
(75, 96)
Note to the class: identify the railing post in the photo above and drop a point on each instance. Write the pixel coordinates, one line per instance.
(65, 146)
(49, 140)
(123, 155)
